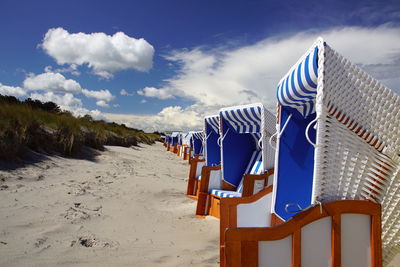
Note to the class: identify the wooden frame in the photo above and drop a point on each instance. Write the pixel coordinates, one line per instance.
(241, 244)
(186, 153)
(229, 214)
(193, 182)
(209, 204)
(203, 195)
(248, 188)
(178, 150)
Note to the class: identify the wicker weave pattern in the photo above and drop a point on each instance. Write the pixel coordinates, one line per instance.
(358, 141)
(268, 127)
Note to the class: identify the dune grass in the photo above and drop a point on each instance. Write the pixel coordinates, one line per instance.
(44, 127)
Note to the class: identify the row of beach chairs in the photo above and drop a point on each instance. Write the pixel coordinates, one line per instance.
(317, 184)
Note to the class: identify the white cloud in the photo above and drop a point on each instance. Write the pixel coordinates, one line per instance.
(143, 101)
(73, 69)
(56, 82)
(125, 93)
(102, 103)
(116, 105)
(162, 93)
(170, 118)
(221, 77)
(66, 101)
(104, 95)
(105, 54)
(12, 90)
(53, 82)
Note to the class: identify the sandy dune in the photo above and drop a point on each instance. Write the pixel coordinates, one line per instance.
(122, 207)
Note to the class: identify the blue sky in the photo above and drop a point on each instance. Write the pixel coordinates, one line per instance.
(198, 51)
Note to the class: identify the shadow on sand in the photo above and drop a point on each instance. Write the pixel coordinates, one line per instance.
(32, 158)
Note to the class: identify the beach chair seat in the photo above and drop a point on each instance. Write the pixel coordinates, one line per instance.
(253, 167)
(225, 193)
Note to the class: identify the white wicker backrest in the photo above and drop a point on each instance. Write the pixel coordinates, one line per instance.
(357, 153)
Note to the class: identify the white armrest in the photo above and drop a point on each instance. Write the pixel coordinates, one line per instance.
(215, 180)
(199, 167)
(255, 214)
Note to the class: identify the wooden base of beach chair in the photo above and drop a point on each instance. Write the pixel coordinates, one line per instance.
(340, 233)
(186, 153)
(214, 201)
(214, 209)
(193, 182)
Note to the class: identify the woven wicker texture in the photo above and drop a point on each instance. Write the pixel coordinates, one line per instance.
(268, 128)
(358, 141)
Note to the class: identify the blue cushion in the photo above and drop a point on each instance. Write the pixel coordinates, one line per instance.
(198, 177)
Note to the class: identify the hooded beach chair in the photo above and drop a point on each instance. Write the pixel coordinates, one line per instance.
(166, 142)
(196, 143)
(173, 144)
(210, 160)
(336, 194)
(247, 162)
(179, 146)
(185, 145)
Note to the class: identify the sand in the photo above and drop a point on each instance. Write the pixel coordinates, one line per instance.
(121, 207)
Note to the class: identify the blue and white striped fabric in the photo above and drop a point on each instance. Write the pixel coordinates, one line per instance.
(213, 121)
(254, 167)
(244, 119)
(299, 87)
(198, 135)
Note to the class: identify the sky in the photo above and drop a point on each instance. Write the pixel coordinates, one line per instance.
(164, 65)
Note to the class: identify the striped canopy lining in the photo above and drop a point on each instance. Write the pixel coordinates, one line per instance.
(254, 167)
(244, 119)
(213, 122)
(299, 87)
(197, 135)
(174, 134)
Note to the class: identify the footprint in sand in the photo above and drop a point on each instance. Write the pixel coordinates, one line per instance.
(90, 240)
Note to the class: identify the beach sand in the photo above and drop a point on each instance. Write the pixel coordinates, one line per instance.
(122, 207)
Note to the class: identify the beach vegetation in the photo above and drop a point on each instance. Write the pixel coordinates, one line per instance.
(44, 127)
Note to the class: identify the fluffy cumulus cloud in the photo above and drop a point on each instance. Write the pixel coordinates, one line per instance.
(125, 93)
(162, 93)
(66, 101)
(56, 82)
(104, 95)
(104, 54)
(102, 103)
(12, 90)
(53, 82)
(169, 118)
(223, 77)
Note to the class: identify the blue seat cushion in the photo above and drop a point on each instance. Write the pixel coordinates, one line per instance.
(225, 193)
